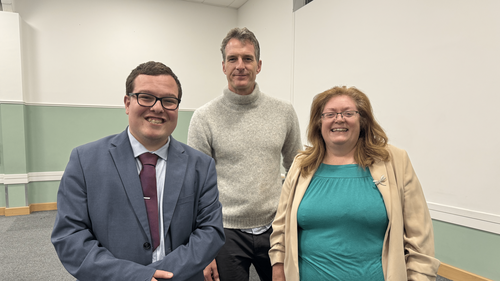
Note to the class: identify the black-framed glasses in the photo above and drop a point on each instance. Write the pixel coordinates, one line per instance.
(148, 100)
(345, 114)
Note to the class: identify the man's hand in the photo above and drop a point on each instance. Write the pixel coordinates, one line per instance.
(162, 274)
(211, 273)
(278, 272)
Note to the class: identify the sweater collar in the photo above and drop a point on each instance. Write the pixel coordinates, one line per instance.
(234, 98)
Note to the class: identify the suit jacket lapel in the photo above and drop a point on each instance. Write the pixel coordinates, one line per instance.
(124, 160)
(174, 178)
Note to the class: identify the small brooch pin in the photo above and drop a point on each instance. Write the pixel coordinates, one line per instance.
(382, 179)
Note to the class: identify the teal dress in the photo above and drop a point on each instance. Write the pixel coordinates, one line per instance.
(342, 222)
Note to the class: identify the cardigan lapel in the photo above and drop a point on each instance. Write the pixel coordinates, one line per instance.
(301, 185)
(381, 175)
(124, 160)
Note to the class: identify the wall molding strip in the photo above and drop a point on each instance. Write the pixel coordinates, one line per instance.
(20, 102)
(30, 177)
(45, 176)
(468, 218)
(14, 179)
(113, 106)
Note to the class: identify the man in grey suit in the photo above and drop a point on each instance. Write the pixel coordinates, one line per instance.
(104, 228)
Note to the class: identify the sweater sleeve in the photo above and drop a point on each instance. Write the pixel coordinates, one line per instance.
(293, 142)
(199, 136)
(418, 232)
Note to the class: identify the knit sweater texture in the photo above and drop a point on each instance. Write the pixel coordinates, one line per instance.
(247, 135)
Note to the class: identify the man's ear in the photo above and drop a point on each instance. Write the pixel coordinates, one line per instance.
(126, 101)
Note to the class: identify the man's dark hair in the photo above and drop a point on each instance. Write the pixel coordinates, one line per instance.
(154, 69)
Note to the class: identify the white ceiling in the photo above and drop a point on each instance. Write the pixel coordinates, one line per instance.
(235, 4)
(6, 5)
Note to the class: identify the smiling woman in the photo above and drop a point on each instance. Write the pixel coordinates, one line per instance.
(350, 184)
(340, 133)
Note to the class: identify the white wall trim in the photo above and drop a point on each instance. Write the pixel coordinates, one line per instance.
(14, 179)
(30, 177)
(45, 176)
(74, 105)
(11, 102)
(464, 217)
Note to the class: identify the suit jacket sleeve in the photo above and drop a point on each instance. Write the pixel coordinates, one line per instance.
(80, 252)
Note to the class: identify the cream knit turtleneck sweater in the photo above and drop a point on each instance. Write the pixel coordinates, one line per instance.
(247, 135)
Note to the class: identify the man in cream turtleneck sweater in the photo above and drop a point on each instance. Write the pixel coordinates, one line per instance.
(246, 132)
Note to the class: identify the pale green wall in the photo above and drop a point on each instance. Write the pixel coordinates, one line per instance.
(13, 151)
(54, 131)
(43, 192)
(13, 145)
(16, 195)
(1, 143)
(468, 249)
(2, 195)
(40, 139)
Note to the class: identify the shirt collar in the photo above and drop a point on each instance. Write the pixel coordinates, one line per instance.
(139, 149)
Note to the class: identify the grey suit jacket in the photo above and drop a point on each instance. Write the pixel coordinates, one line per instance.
(101, 230)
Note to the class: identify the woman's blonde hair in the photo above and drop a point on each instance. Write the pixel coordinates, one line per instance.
(372, 142)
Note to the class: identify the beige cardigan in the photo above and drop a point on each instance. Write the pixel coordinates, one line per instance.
(408, 250)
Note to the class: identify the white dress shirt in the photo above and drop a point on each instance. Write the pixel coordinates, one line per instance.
(161, 168)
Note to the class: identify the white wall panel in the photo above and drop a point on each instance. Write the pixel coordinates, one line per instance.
(431, 70)
(80, 52)
(272, 23)
(11, 82)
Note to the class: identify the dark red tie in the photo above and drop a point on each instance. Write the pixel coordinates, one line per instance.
(148, 182)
